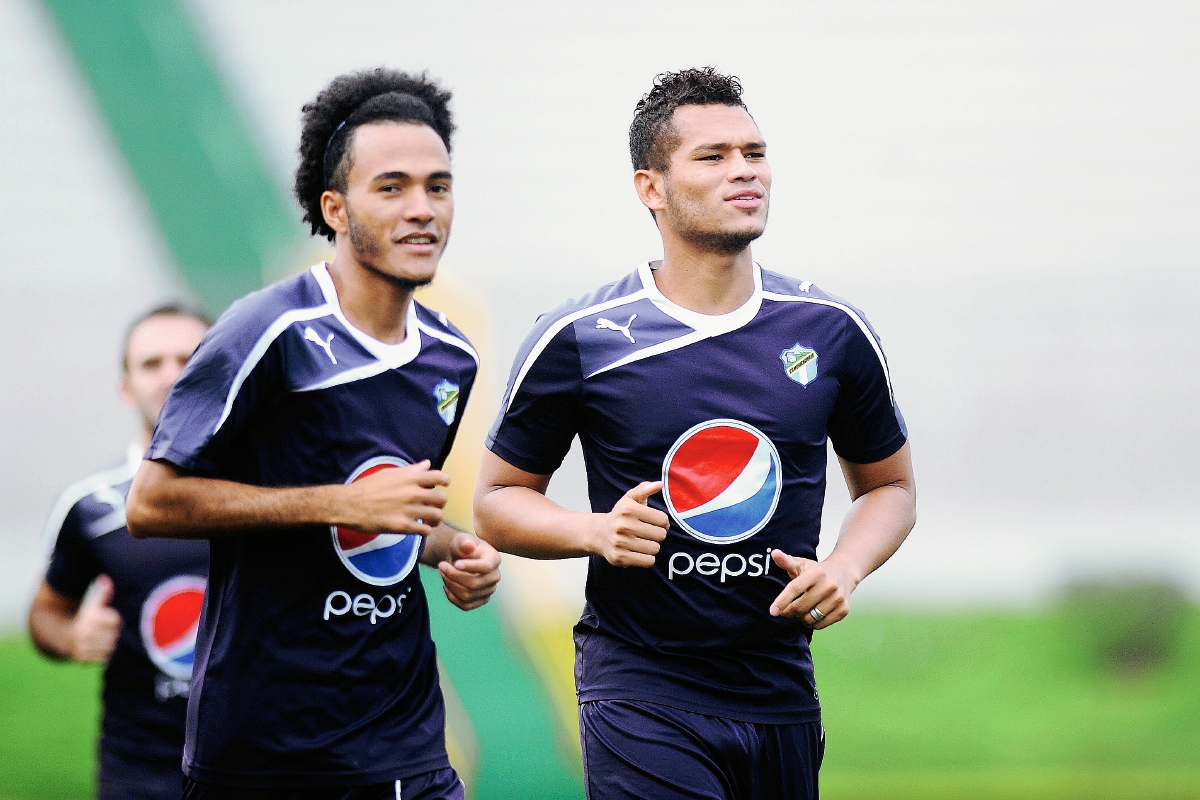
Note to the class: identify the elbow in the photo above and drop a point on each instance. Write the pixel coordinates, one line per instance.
(481, 518)
(489, 517)
(140, 518)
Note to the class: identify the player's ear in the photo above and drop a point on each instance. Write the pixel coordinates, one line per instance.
(126, 391)
(333, 209)
(649, 184)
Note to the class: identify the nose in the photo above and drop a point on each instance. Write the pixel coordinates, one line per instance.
(418, 208)
(740, 168)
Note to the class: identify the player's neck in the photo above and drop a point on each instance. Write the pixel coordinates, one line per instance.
(374, 305)
(704, 281)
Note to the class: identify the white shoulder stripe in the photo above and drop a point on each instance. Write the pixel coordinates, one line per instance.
(554, 329)
(260, 347)
(349, 376)
(784, 298)
(449, 339)
(107, 479)
(656, 349)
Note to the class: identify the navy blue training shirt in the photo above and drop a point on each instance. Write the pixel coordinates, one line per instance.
(158, 588)
(314, 663)
(732, 412)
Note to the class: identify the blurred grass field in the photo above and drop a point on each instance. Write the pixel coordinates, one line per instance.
(940, 706)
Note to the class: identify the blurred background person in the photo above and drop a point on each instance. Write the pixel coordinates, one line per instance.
(141, 611)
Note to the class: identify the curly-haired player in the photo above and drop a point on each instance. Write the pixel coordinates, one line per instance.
(703, 389)
(305, 440)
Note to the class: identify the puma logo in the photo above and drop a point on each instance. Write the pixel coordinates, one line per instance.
(608, 325)
(325, 345)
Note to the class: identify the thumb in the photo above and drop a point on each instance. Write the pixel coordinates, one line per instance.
(102, 595)
(642, 492)
(464, 546)
(793, 565)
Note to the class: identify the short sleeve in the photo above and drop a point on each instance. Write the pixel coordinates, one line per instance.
(866, 425)
(543, 404)
(231, 375)
(73, 564)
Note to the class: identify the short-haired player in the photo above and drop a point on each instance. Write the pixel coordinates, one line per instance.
(703, 389)
(139, 618)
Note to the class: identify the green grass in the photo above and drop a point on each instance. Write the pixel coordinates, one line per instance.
(934, 706)
(49, 713)
(1003, 706)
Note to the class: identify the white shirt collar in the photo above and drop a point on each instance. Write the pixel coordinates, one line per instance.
(710, 324)
(133, 456)
(401, 352)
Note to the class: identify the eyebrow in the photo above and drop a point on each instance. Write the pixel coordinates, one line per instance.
(404, 176)
(727, 146)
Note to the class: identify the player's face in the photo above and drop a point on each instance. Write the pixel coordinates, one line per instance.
(158, 350)
(718, 186)
(399, 203)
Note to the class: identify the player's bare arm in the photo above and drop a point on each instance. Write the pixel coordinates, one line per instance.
(883, 511)
(514, 514)
(163, 501)
(470, 567)
(64, 628)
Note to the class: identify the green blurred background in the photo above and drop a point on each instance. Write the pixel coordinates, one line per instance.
(1055, 704)
(1010, 189)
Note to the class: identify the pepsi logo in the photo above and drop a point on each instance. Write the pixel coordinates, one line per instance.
(721, 481)
(379, 559)
(170, 617)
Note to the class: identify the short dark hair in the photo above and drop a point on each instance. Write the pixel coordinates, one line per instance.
(164, 310)
(348, 102)
(652, 137)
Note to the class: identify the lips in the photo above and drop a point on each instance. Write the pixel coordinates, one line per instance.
(746, 199)
(746, 195)
(419, 239)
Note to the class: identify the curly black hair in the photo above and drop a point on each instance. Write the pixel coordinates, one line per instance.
(341, 107)
(652, 137)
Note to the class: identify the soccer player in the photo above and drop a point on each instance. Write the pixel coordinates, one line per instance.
(702, 388)
(305, 440)
(141, 616)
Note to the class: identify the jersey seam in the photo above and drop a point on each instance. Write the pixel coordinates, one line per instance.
(92, 484)
(556, 328)
(261, 346)
(862, 325)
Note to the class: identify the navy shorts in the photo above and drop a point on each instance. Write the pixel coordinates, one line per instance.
(441, 784)
(147, 786)
(633, 749)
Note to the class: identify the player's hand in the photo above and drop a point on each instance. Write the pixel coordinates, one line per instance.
(472, 577)
(96, 625)
(815, 584)
(405, 499)
(630, 534)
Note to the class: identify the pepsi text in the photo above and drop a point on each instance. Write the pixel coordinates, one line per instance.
(340, 603)
(732, 565)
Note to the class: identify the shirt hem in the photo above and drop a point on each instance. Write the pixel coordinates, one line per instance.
(875, 454)
(520, 460)
(793, 716)
(289, 778)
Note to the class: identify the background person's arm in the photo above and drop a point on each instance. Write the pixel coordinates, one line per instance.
(63, 628)
(513, 513)
(163, 501)
(883, 511)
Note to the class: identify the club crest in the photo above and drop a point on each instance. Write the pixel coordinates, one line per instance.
(800, 364)
(446, 395)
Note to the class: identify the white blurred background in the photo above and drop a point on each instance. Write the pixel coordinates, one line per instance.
(1009, 190)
